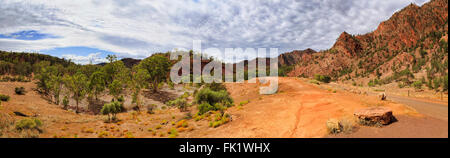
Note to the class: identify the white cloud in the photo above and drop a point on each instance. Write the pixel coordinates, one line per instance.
(93, 58)
(139, 28)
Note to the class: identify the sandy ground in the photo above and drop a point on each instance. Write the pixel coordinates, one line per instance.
(299, 109)
(406, 127)
(61, 123)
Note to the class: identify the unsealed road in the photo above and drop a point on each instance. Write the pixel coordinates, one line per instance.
(436, 110)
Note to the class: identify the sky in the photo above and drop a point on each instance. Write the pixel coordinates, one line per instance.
(88, 30)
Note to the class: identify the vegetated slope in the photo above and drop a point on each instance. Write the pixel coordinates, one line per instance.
(14, 63)
(413, 41)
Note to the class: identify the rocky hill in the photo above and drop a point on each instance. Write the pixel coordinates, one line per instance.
(413, 42)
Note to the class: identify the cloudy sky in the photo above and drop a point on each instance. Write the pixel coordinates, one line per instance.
(87, 30)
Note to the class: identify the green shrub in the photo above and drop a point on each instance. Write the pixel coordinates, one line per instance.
(219, 120)
(171, 85)
(242, 103)
(417, 84)
(204, 107)
(185, 95)
(284, 70)
(212, 97)
(373, 83)
(314, 82)
(180, 103)
(322, 78)
(216, 86)
(436, 83)
(28, 124)
(173, 133)
(19, 90)
(65, 102)
(111, 109)
(121, 99)
(4, 97)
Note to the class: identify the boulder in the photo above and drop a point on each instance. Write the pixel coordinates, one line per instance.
(375, 116)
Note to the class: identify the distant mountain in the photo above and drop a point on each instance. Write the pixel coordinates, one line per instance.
(128, 62)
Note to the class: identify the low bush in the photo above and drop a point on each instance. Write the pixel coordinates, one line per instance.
(242, 103)
(348, 126)
(181, 123)
(27, 123)
(4, 97)
(14, 79)
(185, 95)
(417, 84)
(180, 103)
(219, 120)
(212, 97)
(335, 126)
(401, 85)
(205, 107)
(314, 82)
(158, 127)
(19, 90)
(103, 134)
(121, 99)
(322, 78)
(198, 117)
(216, 86)
(150, 108)
(188, 116)
(112, 109)
(171, 85)
(129, 135)
(6, 121)
(173, 133)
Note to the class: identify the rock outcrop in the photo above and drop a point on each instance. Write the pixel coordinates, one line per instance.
(413, 34)
(375, 116)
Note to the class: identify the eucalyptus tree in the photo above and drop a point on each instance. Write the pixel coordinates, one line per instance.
(77, 85)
